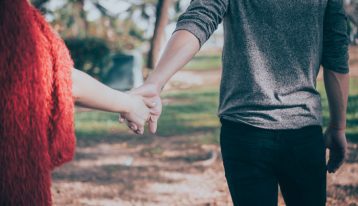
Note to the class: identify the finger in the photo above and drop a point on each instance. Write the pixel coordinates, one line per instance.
(141, 130)
(335, 161)
(331, 162)
(137, 131)
(137, 125)
(132, 126)
(331, 165)
(150, 103)
(140, 126)
(121, 119)
(154, 118)
(334, 165)
(332, 168)
(153, 125)
(155, 113)
(326, 140)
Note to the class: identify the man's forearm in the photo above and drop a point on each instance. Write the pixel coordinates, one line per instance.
(337, 89)
(91, 93)
(181, 48)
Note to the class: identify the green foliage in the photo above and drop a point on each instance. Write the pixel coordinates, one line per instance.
(204, 62)
(193, 113)
(91, 55)
(119, 28)
(190, 113)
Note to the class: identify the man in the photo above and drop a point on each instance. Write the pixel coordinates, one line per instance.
(269, 107)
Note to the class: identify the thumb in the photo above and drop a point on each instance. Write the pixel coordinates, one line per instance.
(334, 163)
(121, 118)
(327, 139)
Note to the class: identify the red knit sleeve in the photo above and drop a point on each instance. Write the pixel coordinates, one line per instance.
(36, 106)
(61, 125)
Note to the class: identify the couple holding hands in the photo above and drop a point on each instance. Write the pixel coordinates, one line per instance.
(270, 110)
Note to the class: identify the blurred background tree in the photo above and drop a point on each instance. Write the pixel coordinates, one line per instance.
(111, 31)
(162, 11)
(90, 54)
(351, 7)
(132, 25)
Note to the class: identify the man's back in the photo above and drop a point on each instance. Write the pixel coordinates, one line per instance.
(272, 54)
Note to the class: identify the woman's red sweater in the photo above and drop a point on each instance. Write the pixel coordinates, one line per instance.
(36, 105)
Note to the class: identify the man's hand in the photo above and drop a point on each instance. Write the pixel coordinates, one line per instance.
(138, 114)
(336, 142)
(151, 96)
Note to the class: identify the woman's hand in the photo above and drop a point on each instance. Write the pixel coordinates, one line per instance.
(138, 113)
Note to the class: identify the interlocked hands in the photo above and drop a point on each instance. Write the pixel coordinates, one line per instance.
(136, 120)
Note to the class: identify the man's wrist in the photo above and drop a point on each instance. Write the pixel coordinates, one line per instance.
(157, 86)
(337, 127)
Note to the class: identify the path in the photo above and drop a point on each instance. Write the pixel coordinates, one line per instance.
(169, 171)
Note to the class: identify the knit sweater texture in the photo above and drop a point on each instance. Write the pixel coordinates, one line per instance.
(36, 105)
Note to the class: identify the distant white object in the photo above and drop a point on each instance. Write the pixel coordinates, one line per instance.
(126, 72)
(128, 161)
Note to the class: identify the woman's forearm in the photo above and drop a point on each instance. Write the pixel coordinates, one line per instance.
(181, 48)
(91, 93)
(337, 89)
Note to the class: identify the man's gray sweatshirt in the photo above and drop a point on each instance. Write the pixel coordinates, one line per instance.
(272, 54)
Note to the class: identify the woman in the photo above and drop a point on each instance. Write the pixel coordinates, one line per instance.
(37, 91)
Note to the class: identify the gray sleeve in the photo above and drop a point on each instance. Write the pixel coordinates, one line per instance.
(335, 38)
(202, 18)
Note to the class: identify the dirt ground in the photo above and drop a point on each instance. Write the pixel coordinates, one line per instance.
(165, 171)
(169, 171)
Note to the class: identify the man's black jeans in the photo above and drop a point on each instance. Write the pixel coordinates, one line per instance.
(257, 160)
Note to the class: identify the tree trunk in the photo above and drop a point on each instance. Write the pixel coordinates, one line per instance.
(162, 17)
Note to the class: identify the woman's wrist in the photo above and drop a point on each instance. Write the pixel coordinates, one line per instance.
(124, 102)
